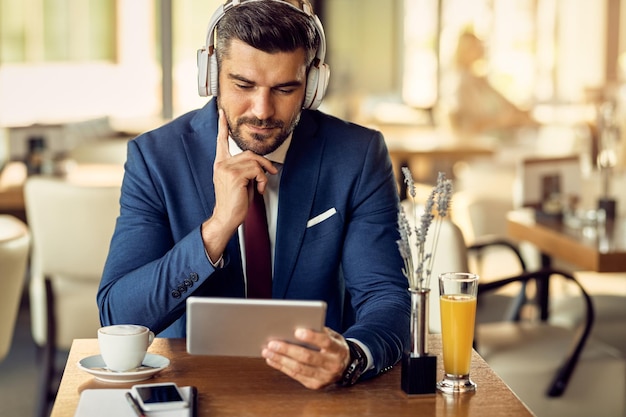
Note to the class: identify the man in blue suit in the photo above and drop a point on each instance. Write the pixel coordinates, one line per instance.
(328, 189)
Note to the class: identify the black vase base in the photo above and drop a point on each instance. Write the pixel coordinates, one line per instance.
(419, 374)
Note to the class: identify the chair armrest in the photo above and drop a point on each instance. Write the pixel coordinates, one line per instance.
(562, 376)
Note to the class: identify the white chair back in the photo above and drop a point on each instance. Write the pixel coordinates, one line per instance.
(14, 249)
(102, 151)
(71, 227)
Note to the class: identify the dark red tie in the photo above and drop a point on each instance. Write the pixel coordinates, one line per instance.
(258, 255)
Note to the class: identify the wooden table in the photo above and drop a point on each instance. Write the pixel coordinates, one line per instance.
(604, 250)
(248, 387)
(601, 251)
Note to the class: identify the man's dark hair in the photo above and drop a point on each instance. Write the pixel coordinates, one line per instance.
(270, 26)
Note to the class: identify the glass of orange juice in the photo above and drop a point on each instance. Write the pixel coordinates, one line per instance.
(457, 303)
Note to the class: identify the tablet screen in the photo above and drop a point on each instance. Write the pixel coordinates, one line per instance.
(242, 327)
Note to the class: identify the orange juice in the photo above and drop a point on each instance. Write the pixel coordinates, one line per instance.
(458, 313)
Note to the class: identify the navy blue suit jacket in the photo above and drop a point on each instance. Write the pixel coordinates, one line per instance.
(350, 260)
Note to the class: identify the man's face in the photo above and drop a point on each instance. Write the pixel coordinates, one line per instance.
(261, 95)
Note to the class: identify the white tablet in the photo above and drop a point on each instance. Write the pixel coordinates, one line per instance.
(242, 327)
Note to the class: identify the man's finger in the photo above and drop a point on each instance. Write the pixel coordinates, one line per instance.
(261, 178)
(222, 151)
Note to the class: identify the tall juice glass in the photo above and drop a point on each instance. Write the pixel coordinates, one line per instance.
(457, 302)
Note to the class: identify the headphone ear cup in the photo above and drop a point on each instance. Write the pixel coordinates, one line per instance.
(311, 87)
(203, 74)
(316, 85)
(213, 74)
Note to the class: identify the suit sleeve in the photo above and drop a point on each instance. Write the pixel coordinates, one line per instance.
(148, 275)
(372, 265)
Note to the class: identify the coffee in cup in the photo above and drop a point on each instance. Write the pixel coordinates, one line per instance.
(123, 346)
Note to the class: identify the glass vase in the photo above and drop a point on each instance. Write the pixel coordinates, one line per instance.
(419, 369)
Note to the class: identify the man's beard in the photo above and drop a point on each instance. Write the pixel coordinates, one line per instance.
(258, 142)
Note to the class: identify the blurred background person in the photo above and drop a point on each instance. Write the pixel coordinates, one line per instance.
(475, 105)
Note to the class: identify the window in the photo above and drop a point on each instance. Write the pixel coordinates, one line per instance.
(33, 31)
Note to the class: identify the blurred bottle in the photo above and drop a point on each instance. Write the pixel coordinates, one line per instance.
(36, 155)
(608, 146)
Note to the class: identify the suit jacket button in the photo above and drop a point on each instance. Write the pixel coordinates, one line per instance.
(182, 288)
(194, 277)
(175, 294)
(188, 283)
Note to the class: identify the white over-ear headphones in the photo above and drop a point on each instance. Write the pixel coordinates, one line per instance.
(319, 72)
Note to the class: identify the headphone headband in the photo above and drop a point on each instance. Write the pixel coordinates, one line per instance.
(319, 72)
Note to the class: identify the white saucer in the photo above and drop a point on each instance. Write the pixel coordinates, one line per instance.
(151, 365)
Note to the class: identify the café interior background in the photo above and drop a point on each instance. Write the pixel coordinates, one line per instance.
(71, 60)
(134, 63)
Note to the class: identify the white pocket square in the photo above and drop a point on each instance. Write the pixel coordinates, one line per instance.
(321, 217)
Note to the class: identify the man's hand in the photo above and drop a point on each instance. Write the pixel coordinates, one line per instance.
(313, 369)
(233, 179)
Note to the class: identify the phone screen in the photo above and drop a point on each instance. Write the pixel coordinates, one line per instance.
(158, 394)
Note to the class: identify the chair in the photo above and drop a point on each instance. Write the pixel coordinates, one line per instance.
(71, 228)
(14, 249)
(608, 293)
(555, 370)
(101, 151)
(482, 219)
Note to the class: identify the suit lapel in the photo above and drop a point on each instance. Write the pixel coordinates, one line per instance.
(297, 190)
(200, 145)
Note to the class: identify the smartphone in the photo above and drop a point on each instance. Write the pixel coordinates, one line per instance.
(162, 396)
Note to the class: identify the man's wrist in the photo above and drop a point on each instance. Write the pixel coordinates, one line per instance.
(356, 365)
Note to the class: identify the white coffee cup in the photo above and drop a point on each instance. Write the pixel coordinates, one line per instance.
(123, 346)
